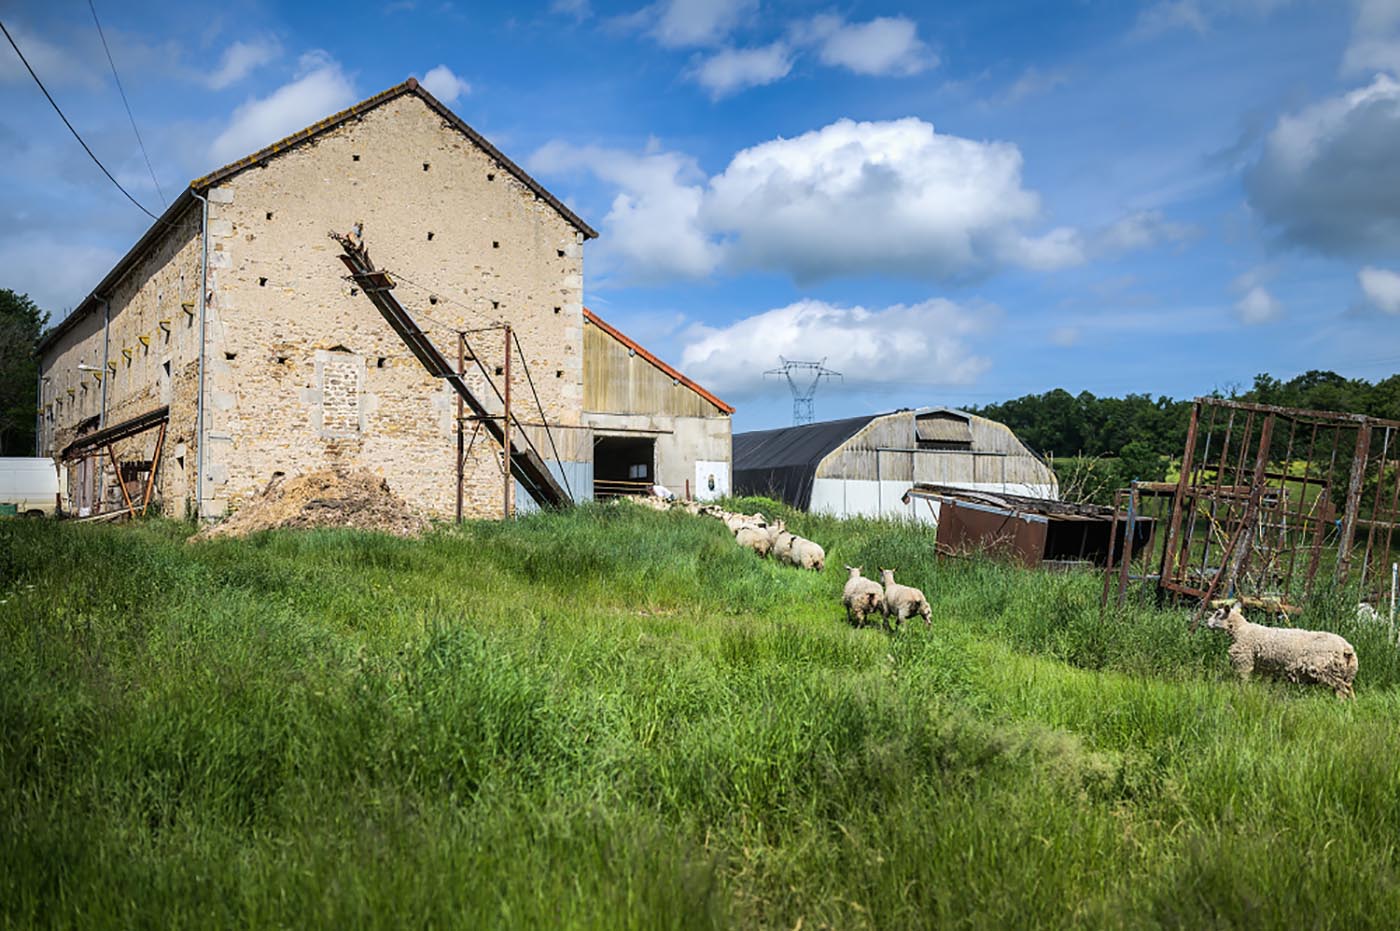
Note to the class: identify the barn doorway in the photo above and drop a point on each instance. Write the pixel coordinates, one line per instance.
(623, 465)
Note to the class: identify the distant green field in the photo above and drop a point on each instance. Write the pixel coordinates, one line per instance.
(612, 718)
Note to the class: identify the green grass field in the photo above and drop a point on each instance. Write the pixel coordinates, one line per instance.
(612, 718)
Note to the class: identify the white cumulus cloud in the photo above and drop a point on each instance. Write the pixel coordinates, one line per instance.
(1258, 306)
(733, 69)
(1375, 38)
(241, 59)
(688, 23)
(1381, 287)
(444, 85)
(886, 45)
(895, 197)
(321, 87)
(923, 343)
(653, 231)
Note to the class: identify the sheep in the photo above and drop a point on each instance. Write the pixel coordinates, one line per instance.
(735, 521)
(782, 546)
(862, 597)
(1303, 656)
(804, 554)
(904, 601)
(775, 530)
(755, 538)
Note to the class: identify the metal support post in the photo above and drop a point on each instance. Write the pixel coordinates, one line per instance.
(461, 452)
(508, 492)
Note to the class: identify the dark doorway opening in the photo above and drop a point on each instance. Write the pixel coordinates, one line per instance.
(623, 465)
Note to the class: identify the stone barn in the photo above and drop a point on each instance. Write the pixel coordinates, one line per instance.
(228, 347)
(862, 466)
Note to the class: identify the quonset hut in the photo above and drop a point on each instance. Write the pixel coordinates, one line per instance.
(862, 466)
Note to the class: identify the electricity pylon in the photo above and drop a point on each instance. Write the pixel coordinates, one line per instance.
(803, 378)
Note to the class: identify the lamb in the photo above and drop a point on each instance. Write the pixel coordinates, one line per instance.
(804, 554)
(862, 597)
(904, 601)
(1303, 656)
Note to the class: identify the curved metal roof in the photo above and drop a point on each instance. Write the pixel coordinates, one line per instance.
(782, 463)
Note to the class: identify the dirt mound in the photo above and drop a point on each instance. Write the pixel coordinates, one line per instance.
(358, 500)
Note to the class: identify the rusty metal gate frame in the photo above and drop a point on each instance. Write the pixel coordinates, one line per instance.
(1238, 497)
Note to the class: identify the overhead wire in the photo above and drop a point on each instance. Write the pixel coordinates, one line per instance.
(59, 111)
(125, 103)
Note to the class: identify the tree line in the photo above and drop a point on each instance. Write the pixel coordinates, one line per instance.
(21, 324)
(1058, 423)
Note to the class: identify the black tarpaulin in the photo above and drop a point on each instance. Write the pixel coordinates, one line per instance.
(782, 463)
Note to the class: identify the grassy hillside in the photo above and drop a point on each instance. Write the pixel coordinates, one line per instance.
(615, 718)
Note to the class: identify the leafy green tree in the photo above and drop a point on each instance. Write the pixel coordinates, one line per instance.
(21, 324)
(1139, 461)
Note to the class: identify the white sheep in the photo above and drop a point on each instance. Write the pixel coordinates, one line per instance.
(735, 521)
(755, 538)
(775, 530)
(862, 597)
(1304, 656)
(904, 601)
(782, 546)
(804, 554)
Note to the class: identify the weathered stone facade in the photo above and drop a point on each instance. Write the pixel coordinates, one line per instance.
(301, 371)
(147, 357)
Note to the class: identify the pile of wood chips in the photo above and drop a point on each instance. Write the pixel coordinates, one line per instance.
(357, 500)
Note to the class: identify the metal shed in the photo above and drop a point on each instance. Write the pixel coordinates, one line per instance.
(862, 466)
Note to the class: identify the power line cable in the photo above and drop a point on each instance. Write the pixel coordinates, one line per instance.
(59, 111)
(125, 103)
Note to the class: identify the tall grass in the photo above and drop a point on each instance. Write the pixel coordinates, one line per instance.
(614, 718)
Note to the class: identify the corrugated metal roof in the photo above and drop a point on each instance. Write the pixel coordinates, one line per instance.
(782, 463)
(943, 427)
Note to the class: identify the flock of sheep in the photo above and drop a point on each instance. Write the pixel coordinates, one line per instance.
(1302, 656)
(864, 599)
(754, 532)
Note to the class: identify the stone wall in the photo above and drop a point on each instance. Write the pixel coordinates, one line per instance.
(147, 360)
(305, 373)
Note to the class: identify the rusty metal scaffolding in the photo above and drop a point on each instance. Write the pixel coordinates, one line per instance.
(1269, 500)
(131, 474)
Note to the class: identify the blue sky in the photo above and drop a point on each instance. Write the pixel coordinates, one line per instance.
(952, 203)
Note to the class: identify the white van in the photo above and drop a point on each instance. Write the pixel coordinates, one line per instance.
(29, 485)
